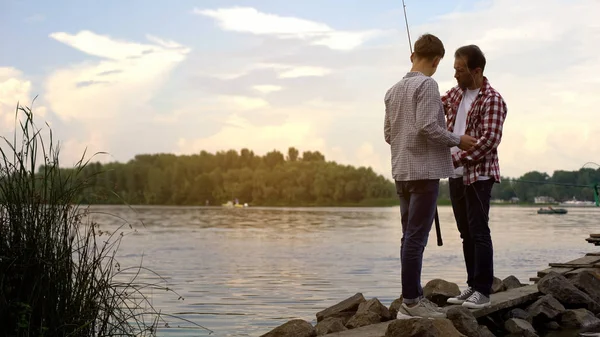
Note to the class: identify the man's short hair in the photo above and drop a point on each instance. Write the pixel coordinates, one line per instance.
(473, 56)
(429, 46)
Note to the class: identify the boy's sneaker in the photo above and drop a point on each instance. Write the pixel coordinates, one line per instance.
(423, 309)
(460, 299)
(477, 301)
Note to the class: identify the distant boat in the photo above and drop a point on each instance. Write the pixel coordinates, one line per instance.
(577, 203)
(551, 210)
(236, 205)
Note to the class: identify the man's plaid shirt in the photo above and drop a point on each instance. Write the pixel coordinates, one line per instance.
(485, 121)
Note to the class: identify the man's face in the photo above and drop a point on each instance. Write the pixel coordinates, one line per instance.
(463, 75)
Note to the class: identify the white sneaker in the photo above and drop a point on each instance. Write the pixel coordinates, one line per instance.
(423, 309)
(460, 299)
(477, 301)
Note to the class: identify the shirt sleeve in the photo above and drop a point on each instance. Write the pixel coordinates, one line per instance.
(387, 127)
(429, 108)
(494, 114)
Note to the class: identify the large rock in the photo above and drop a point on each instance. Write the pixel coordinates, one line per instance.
(345, 309)
(511, 282)
(484, 331)
(497, 285)
(329, 325)
(545, 309)
(566, 293)
(519, 326)
(293, 328)
(579, 318)
(422, 327)
(463, 320)
(369, 312)
(518, 313)
(588, 282)
(439, 291)
(395, 307)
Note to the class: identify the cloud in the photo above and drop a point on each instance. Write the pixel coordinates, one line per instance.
(238, 133)
(250, 20)
(540, 57)
(112, 95)
(302, 83)
(16, 89)
(267, 89)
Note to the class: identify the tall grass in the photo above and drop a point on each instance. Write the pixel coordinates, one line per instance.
(58, 271)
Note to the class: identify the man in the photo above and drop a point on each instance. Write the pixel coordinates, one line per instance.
(475, 108)
(420, 147)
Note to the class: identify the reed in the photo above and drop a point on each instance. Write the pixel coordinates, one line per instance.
(59, 275)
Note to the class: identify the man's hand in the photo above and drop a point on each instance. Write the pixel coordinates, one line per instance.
(466, 142)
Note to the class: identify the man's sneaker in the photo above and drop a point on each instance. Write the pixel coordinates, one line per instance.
(423, 309)
(460, 299)
(477, 301)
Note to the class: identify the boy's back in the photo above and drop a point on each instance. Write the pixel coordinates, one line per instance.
(415, 128)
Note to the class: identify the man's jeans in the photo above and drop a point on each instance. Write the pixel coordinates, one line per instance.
(471, 206)
(417, 209)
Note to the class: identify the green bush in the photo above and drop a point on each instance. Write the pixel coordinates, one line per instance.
(58, 272)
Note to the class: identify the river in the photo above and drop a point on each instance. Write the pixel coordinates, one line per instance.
(243, 272)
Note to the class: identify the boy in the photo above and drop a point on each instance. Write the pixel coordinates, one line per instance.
(420, 144)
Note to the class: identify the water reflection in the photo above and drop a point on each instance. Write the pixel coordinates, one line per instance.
(245, 271)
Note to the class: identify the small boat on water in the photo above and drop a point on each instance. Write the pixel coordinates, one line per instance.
(551, 210)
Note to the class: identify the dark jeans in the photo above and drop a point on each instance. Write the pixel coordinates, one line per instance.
(417, 209)
(471, 206)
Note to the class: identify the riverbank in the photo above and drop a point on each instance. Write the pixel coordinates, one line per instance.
(563, 300)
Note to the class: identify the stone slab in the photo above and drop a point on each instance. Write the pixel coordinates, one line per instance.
(509, 298)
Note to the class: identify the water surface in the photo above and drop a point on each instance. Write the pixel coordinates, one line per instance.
(243, 272)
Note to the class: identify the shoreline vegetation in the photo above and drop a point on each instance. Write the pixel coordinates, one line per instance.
(59, 272)
(295, 179)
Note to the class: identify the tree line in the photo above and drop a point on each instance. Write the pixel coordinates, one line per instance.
(292, 179)
(274, 179)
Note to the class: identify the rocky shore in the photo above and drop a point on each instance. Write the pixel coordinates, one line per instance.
(556, 306)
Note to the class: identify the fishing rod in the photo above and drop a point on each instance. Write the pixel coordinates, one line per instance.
(438, 230)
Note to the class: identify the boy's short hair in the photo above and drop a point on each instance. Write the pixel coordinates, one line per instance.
(429, 46)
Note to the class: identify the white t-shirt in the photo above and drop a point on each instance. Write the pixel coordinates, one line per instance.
(460, 124)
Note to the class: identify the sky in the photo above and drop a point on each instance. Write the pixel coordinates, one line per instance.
(139, 77)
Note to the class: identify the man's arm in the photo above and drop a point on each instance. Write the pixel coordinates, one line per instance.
(387, 127)
(492, 124)
(446, 99)
(428, 109)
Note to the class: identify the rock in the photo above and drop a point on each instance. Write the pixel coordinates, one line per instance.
(518, 313)
(463, 320)
(497, 285)
(293, 328)
(518, 326)
(363, 319)
(546, 308)
(329, 325)
(422, 327)
(578, 318)
(566, 293)
(439, 291)
(484, 331)
(345, 309)
(525, 333)
(369, 312)
(511, 282)
(395, 306)
(588, 282)
(552, 325)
